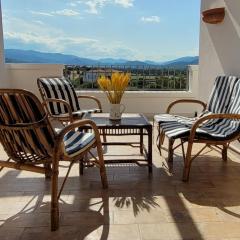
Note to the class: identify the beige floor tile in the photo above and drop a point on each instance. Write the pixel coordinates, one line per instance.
(142, 216)
(120, 232)
(136, 205)
(11, 233)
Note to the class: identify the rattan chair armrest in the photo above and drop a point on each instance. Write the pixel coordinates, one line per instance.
(61, 101)
(19, 126)
(204, 105)
(211, 116)
(93, 98)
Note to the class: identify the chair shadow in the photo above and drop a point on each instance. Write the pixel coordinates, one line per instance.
(28, 217)
(219, 191)
(138, 201)
(223, 194)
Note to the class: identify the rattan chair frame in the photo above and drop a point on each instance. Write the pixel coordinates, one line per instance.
(49, 164)
(161, 136)
(69, 117)
(188, 159)
(192, 139)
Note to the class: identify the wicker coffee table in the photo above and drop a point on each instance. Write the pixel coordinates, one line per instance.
(130, 124)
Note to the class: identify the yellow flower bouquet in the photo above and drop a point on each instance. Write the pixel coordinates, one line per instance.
(115, 87)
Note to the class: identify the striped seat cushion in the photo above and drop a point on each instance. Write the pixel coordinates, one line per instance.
(163, 118)
(175, 129)
(82, 113)
(224, 129)
(76, 142)
(175, 126)
(220, 101)
(59, 88)
(220, 130)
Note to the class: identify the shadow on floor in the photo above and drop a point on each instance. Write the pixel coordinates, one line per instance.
(137, 193)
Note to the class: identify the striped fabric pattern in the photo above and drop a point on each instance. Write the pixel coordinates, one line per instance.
(83, 113)
(221, 94)
(224, 128)
(222, 99)
(28, 145)
(76, 142)
(59, 88)
(165, 118)
(175, 129)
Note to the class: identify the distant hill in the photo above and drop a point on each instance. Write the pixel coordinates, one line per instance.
(181, 62)
(30, 56)
(112, 61)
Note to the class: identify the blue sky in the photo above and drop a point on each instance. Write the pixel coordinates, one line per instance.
(156, 30)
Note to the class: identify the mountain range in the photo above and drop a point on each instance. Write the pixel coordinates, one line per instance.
(30, 56)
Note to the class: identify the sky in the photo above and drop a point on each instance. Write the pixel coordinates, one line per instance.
(156, 30)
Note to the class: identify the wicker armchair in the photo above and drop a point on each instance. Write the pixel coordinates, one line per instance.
(61, 101)
(217, 125)
(31, 143)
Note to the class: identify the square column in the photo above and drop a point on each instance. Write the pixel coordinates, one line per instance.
(3, 78)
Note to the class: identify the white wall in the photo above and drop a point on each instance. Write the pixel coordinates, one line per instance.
(150, 103)
(219, 45)
(25, 75)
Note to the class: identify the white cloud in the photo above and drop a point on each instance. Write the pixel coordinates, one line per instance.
(39, 22)
(52, 42)
(66, 12)
(94, 6)
(42, 13)
(47, 38)
(125, 3)
(151, 19)
(24, 34)
(72, 4)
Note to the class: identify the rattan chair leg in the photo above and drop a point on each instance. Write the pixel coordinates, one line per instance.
(102, 166)
(188, 161)
(54, 197)
(170, 150)
(224, 153)
(48, 168)
(104, 136)
(81, 166)
(54, 206)
(162, 137)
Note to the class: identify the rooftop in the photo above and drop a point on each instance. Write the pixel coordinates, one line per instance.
(136, 206)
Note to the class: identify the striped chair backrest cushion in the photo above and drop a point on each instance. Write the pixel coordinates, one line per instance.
(227, 128)
(59, 88)
(22, 145)
(234, 106)
(221, 94)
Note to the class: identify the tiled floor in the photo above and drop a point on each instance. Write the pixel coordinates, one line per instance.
(136, 206)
